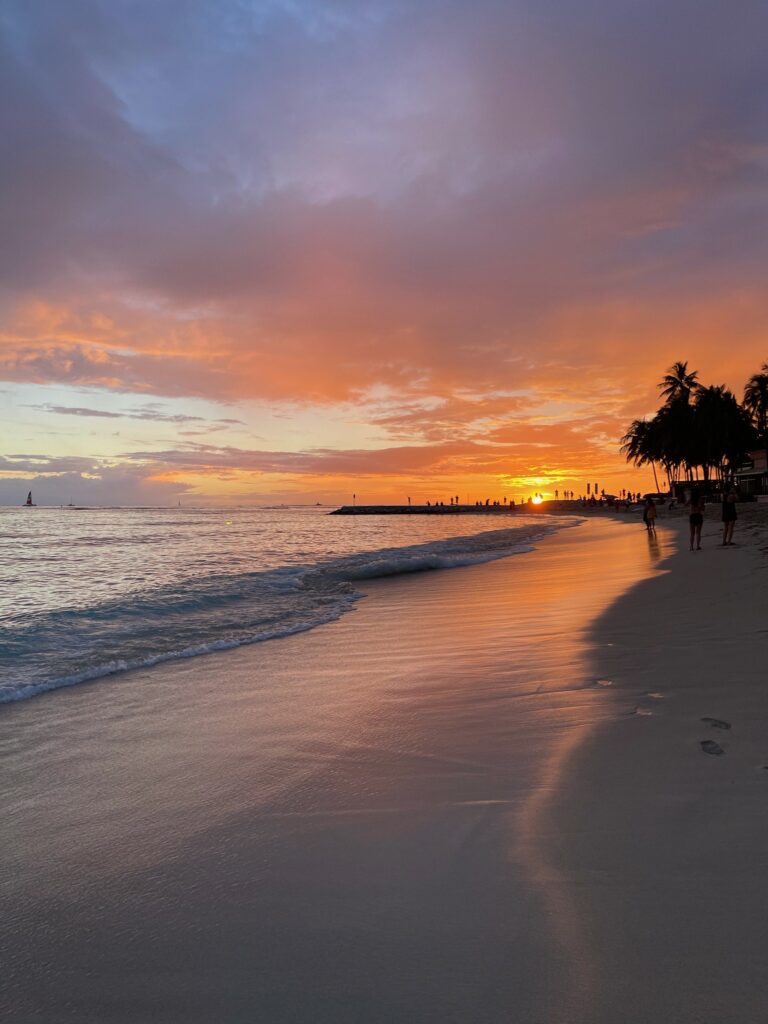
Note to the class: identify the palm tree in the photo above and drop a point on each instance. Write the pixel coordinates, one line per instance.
(712, 432)
(756, 404)
(674, 428)
(677, 384)
(722, 430)
(756, 398)
(640, 445)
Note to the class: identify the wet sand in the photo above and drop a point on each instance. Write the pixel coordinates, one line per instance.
(657, 839)
(422, 812)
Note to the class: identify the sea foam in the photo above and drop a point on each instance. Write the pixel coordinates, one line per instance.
(66, 646)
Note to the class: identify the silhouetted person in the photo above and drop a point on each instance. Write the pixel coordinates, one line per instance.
(649, 515)
(696, 519)
(729, 514)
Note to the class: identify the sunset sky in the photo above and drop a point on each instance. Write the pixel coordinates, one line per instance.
(278, 250)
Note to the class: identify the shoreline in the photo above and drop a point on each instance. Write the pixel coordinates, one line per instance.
(273, 601)
(429, 842)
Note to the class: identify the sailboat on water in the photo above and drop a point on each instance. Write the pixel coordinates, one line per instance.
(29, 503)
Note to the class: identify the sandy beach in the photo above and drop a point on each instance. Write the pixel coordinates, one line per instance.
(481, 796)
(657, 838)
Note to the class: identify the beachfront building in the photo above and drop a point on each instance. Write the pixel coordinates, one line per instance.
(752, 475)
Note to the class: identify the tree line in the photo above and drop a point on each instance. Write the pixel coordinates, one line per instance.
(700, 433)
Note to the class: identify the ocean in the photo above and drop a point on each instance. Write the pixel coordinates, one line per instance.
(88, 593)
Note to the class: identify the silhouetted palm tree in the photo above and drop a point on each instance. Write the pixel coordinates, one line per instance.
(756, 404)
(722, 432)
(677, 384)
(640, 444)
(711, 433)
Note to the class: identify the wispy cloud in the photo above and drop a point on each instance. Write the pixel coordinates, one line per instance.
(488, 213)
(144, 413)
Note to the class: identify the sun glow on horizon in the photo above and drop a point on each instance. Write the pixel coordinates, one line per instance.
(414, 291)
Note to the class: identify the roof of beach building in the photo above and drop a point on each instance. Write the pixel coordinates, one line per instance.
(755, 465)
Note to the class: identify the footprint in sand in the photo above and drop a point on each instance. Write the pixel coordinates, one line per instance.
(710, 747)
(643, 712)
(603, 682)
(655, 696)
(717, 723)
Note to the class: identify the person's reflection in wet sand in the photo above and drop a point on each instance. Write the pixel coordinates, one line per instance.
(654, 548)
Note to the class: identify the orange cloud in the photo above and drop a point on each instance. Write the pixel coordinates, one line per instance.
(490, 239)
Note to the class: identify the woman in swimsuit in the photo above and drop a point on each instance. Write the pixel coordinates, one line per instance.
(696, 519)
(729, 515)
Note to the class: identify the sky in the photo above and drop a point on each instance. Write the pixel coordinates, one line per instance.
(262, 251)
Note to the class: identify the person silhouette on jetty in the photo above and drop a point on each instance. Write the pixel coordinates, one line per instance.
(696, 519)
(729, 514)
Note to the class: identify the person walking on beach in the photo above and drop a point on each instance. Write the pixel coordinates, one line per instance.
(696, 519)
(729, 514)
(649, 514)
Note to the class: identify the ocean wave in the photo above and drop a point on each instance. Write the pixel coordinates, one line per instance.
(31, 689)
(67, 646)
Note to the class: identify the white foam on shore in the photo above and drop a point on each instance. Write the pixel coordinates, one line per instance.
(230, 611)
(24, 691)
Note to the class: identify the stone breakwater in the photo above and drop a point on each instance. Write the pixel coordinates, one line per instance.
(459, 510)
(427, 510)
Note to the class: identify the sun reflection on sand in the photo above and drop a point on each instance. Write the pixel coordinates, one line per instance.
(534, 834)
(536, 839)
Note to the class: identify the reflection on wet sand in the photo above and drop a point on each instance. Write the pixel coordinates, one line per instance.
(654, 547)
(572, 1001)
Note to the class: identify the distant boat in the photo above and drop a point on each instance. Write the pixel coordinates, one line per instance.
(29, 503)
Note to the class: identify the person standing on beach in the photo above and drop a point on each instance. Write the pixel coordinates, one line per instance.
(649, 515)
(729, 514)
(696, 519)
